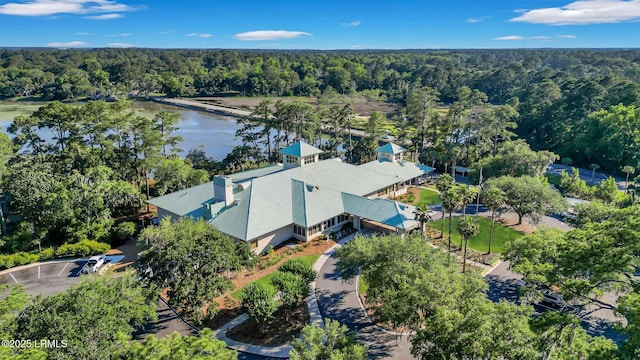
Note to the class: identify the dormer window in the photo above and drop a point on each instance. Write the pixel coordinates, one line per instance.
(397, 157)
(309, 159)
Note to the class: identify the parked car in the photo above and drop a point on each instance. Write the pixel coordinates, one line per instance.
(94, 264)
(551, 298)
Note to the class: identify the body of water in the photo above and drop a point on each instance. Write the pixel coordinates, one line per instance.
(215, 133)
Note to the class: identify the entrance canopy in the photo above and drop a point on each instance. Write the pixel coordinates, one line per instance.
(388, 212)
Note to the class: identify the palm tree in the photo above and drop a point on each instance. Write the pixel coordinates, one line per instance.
(467, 195)
(467, 227)
(450, 202)
(493, 198)
(444, 183)
(423, 215)
(627, 170)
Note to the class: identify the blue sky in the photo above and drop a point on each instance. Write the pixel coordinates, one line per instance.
(320, 24)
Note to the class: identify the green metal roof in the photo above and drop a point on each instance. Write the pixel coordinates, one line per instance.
(186, 201)
(384, 211)
(303, 195)
(391, 148)
(405, 170)
(300, 149)
(251, 174)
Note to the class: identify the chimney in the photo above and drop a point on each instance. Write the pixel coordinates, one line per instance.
(223, 189)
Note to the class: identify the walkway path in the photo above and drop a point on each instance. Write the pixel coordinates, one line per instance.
(196, 105)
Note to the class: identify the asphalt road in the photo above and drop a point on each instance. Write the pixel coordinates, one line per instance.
(597, 319)
(338, 300)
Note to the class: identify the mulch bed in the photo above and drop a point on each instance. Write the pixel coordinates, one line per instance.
(277, 331)
(229, 307)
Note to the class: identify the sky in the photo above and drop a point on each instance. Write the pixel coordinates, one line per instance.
(321, 24)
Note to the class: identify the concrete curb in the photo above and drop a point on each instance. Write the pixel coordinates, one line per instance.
(281, 351)
(364, 310)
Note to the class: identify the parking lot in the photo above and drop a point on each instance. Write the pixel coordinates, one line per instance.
(596, 318)
(49, 278)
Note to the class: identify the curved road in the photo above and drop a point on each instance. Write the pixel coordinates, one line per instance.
(338, 300)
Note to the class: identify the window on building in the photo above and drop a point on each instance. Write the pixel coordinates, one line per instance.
(309, 159)
(398, 156)
(290, 159)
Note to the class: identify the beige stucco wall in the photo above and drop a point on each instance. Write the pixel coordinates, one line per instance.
(274, 238)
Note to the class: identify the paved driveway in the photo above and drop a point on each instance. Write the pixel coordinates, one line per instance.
(338, 300)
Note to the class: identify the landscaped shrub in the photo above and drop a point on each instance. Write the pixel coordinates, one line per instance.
(47, 254)
(298, 267)
(258, 303)
(17, 259)
(82, 248)
(292, 288)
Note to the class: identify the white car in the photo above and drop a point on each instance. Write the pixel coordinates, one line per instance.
(94, 264)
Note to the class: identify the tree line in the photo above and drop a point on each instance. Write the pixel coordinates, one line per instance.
(554, 91)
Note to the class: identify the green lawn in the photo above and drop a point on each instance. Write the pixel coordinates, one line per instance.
(266, 280)
(362, 285)
(427, 197)
(553, 179)
(480, 242)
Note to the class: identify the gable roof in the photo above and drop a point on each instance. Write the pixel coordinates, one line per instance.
(405, 170)
(304, 195)
(390, 148)
(384, 211)
(300, 149)
(185, 201)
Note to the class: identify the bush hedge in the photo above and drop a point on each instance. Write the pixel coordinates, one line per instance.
(298, 267)
(82, 248)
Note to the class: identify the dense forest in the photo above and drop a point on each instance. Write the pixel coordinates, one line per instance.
(552, 90)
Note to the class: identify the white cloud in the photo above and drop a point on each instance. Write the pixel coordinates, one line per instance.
(584, 12)
(352, 24)
(262, 35)
(67, 44)
(119, 45)
(104, 17)
(167, 32)
(53, 7)
(510, 37)
(84, 33)
(537, 37)
(477, 20)
(204, 36)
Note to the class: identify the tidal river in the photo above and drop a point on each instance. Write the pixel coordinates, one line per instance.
(216, 133)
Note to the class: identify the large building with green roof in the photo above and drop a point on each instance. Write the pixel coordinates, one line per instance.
(301, 198)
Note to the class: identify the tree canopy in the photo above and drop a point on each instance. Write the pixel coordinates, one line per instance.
(193, 260)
